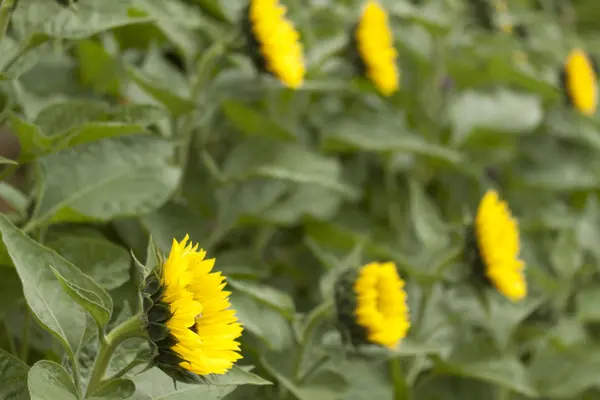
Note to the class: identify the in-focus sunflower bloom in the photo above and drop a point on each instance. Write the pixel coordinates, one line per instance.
(374, 43)
(371, 305)
(496, 233)
(188, 314)
(579, 80)
(274, 42)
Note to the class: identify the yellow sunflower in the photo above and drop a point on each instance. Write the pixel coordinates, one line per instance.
(275, 43)
(580, 82)
(374, 43)
(188, 316)
(371, 305)
(497, 236)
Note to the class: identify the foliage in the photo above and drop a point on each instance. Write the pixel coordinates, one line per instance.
(142, 120)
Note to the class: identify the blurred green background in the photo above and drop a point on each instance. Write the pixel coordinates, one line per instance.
(146, 117)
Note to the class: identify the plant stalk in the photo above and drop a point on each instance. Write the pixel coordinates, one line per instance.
(6, 9)
(127, 330)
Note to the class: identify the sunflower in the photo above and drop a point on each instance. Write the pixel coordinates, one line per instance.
(374, 42)
(496, 234)
(188, 317)
(274, 42)
(371, 305)
(579, 82)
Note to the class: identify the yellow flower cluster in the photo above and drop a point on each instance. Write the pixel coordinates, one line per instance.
(498, 243)
(278, 41)
(580, 82)
(375, 45)
(381, 304)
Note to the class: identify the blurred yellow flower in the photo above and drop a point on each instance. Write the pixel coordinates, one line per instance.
(579, 81)
(277, 41)
(188, 316)
(381, 304)
(497, 235)
(375, 46)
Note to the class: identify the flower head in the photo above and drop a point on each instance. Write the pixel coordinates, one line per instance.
(274, 42)
(188, 316)
(371, 305)
(374, 43)
(497, 238)
(580, 82)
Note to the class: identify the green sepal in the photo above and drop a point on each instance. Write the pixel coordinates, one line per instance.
(345, 304)
(157, 332)
(159, 313)
(152, 285)
(182, 375)
(147, 303)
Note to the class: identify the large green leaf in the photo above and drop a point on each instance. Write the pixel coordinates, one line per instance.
(115, 178)
(118, 389)
(251, 121)
(263, 158)
(154, 384)
(90, 17)
(45, 275)
(107, 263)
(13, 375)
(502, 112)
(47, 380)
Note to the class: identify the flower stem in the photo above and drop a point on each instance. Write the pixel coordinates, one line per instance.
(6, 9)
(401, 391)
(127, 330)
(313, 320)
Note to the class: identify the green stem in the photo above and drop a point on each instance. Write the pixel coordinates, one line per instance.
(315, 317)
(401, 391)
(11, 342)
(24, 353)
(127, 330)
(6, 9)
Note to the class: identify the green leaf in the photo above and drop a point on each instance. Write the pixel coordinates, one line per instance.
(33, 142)
(262, 320)
(174, 221)
(107, 263)
(429, 226)
(90, 17)
(17, 200)
(118, 389)
(55, 310)
(161, 92)
(252, 122)
(237, 376)
(268, 295)
(97, 68)
(382, 134)
(502, 111)
(13, 375)
(566, 255)
(99, 304)
(475, 359)
(142, 114)
(323, 384)
(119, 177)
(59, 118)
(565, 373)
(47, 380)
(259, 157)
(11, 291)
(155, 384)
(587, 299)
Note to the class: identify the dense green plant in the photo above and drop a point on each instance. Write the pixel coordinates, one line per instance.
(140, 121)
